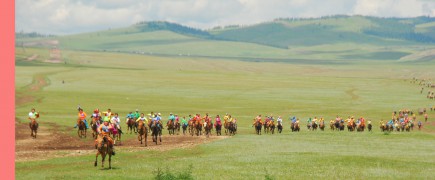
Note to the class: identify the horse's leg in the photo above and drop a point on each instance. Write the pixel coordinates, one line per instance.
(96, 158)
(110, 159)
(103, 156)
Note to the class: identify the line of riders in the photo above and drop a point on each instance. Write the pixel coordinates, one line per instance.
(400, 122)
(107, 125)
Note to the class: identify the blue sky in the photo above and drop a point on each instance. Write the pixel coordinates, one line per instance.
(75, 16)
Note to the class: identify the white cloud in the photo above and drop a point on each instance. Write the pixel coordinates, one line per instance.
(72, 16)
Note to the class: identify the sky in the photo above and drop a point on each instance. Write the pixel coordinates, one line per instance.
(61, 17)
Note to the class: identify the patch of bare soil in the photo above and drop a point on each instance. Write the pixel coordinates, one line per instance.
(51, 142)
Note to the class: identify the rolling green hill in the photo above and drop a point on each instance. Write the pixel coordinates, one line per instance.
(335, 38)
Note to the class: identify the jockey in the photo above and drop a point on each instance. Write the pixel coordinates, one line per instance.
(258, 119)
(177, 119)
(369, 121)
(108, 113)
(157, 121)
(33, 115)
(96, 114)
(279, 120)
(171, 118)
(226, 117)
(184, 121)
(425, 117)
(337, 119)
(82, 117)
(142, 118)
(293, 120)
(136, 114)
(315, 120)
(115, 121)
(206, 118)
(309, 121)
(218, 121)
(103, 130)
(129, 116)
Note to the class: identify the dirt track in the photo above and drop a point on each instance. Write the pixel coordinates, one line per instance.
(51, 142)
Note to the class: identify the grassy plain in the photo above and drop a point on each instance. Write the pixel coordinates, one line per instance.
(186, 85)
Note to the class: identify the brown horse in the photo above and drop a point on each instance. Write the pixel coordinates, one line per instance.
(104, 149)
(198, 128)
(171, 127)
(322, 126)
(332, 125)
(177, 127)
(226, 126)
(258, 125)
(218, 128)
(208, 127)
(295, 127)
(232, 129)
(350, 126)
(272, 127)
(156, 132)
(279, 126)
(360, 127)
(369, 127)
(266, 125)
(132, 126)
(33, 128)
(191, 125)
(94, 126)
(81, 132)
(143, 133)
(314, 126)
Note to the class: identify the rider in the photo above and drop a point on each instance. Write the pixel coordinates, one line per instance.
(184, 121)
(157, 121)
(116, 122)
(177, 119)
(130, 115)
(258, 119)
(279, 120)
(218, 121)
(82, 117)
(33, 115)
(103, 130)
(97, 115)
(142, 118)
(171, 118)
(309, 121)
(136, 114)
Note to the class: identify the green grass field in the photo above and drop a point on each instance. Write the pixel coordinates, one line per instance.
(188, 85)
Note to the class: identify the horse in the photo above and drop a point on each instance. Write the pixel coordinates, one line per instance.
(360, 127)
(177, 127)
(184, 127)
(156, 132)
(295, 127)
(132, 126)
(33, 128)
(198, 128)
(257, 126)
(383, 127)
(191, 125)
(226, 125)
(332, 125)
(218, 128)
(116, 133)
(350, 126)
(208, 127)
(232, 128)
(322, 126)
(313, 126)
(341, 125)
(272, 127)
(266, 127)
(142, 133)
(171, 127)
(81, 132)
(104, 149)
(279, 126)
(369, 127)
(94, 126)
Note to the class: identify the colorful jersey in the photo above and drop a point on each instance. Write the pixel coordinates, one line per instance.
(82, 115)
(32, 115)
